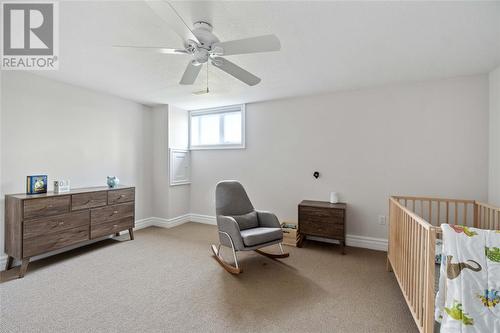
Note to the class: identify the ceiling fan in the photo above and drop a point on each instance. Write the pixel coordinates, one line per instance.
(203, 46)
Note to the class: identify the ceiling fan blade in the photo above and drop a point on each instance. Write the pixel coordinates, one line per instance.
(190, 74)
(167, 12)
(266, 43)
(201, 92)
(236, 71)
(155, 49)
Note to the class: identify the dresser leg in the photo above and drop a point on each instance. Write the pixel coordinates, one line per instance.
(131, 233)
(117, 234)
(24, 267)
(8, 264)
(342, 244)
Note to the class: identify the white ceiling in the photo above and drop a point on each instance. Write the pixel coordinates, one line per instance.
(326, 46)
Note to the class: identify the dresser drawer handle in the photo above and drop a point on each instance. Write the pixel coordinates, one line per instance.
(122, 196)
(48, 206)
(115, 225)
(61, 223)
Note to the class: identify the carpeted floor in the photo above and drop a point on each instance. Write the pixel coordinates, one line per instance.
(166, 281)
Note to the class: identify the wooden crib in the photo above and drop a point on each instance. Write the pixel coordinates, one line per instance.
(414, 226)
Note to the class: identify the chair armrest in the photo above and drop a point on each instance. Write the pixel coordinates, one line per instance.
(229, 225)
(268, 220)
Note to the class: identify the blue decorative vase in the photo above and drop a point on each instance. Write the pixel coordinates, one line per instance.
(113, 181)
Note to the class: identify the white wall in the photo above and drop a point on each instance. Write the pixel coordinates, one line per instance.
(494, 167)
(170, 130)
(427, 138)
(179, 195)
(67, 132)
(160, 161)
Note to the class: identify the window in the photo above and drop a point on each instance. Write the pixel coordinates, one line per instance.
(217, 128)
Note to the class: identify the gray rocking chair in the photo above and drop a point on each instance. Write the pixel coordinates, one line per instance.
(241, 227)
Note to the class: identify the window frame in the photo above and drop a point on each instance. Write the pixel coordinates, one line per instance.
(224, 109)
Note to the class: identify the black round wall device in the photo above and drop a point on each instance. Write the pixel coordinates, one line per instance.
(316, 174)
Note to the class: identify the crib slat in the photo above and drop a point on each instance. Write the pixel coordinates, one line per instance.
(456, 213)
(465, 215)
(447, 212)
(438, 213)
(413, 263)
(429, 313)
(430, 211)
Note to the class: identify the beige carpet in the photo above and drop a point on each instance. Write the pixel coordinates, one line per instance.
(166, 281)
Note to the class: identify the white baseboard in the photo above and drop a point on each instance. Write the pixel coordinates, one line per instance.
(205, 219)
(372, 243)
(144, 223)
(379, 244)
(364, 242)
(170, 223)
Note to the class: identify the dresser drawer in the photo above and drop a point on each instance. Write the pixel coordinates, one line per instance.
(111, 213)
(316, 228)
(118, 196)
(54, 241)
(108, 228)
(88, 200)
(46, 225)
(46, 206)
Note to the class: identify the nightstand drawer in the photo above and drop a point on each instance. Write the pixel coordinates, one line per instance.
(46, 206)
(315, 228)
(108, 228)
(111, 213)
(119, 196)
(321, 212)
(88, 200)
(321, 219)
(47, 225)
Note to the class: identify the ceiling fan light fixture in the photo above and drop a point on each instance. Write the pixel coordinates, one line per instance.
(196, 63)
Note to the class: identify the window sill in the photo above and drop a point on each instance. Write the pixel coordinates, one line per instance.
(217, 147)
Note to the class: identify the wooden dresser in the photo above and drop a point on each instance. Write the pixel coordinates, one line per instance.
(322, 219)
(40, 223)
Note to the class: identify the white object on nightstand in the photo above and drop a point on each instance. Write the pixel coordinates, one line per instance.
(334, 197)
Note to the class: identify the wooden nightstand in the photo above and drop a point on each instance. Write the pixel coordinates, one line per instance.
(322, 219)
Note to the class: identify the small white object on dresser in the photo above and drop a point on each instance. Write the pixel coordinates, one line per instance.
(61, 186)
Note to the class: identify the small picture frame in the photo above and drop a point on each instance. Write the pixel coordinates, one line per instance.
(36, 184)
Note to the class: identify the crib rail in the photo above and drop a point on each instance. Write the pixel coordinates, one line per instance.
(487, 216)
(411, 255)
(439, 210)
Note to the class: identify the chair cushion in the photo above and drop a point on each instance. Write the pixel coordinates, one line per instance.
(247, 221)
(260, 235)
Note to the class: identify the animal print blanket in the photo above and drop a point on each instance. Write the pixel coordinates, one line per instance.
(468, 299)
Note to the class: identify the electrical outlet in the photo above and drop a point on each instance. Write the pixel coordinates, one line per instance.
(382, 220)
